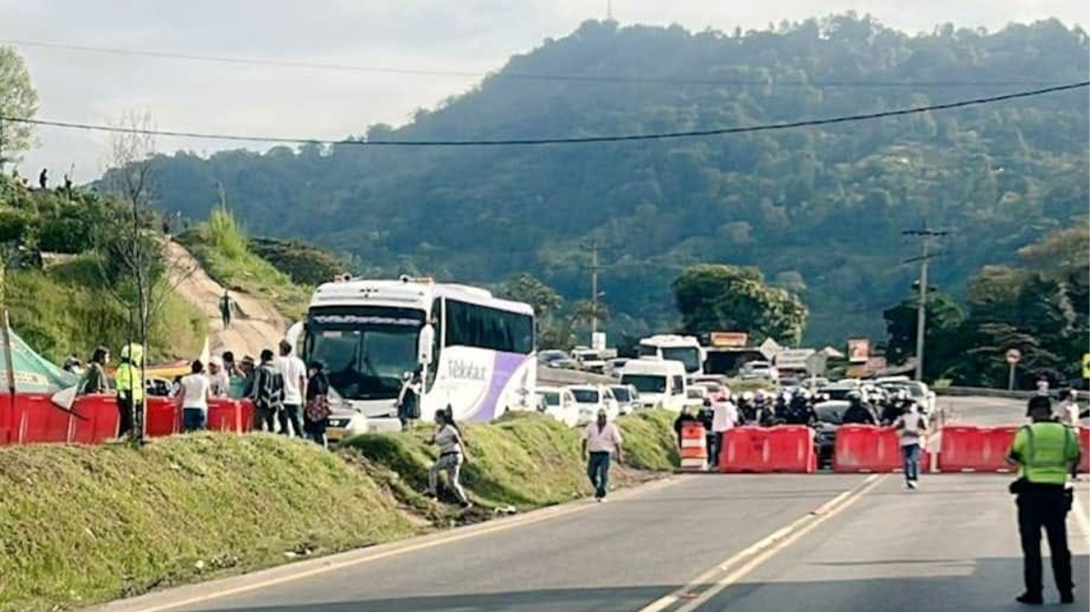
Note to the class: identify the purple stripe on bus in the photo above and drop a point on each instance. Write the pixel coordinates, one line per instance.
(504, 367)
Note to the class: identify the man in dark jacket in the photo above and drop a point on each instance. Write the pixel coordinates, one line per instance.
(858, 412)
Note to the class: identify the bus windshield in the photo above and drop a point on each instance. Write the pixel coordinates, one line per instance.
(689, 356)
(645, 383)
(365, 350)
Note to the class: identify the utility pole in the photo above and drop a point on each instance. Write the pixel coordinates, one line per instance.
(921, 307)
(594, 267)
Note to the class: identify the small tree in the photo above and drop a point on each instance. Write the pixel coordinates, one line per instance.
(18, 100)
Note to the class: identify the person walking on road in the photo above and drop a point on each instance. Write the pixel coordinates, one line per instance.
(294, 375)
(451, 456)
(724, 418)
(600, 441)
(94, 379)
(225, 309)
(130, 391)
(193, 396)
(316, 415)
(267, 393)
(911, 427)
(1045, 451)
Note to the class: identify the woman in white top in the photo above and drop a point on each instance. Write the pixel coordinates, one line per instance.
(451, 456)
(193, 396)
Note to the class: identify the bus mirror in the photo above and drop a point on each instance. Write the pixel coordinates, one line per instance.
(427, 342)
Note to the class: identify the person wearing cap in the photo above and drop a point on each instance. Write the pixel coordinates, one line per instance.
(1045, 451)
(218, 381)
(130, 390)
(601, 440)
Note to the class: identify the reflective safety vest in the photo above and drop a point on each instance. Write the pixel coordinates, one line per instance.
(1046, 451)
(127, 378)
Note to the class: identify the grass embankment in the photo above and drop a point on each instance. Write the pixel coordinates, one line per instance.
(224, 250)
(80, 525)
(524, 460)
(68, 310)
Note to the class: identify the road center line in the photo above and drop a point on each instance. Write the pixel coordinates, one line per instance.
(759, 552)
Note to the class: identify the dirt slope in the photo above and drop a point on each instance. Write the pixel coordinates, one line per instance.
(256, 324)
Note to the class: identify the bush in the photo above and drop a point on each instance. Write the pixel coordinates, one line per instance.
(226, 235)
(305, 264)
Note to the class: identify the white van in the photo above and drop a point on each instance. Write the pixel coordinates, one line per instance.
(661, 384)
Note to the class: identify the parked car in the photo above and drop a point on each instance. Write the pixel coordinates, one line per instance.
(552, 357)
(157, 387)
(661, 383)
(559, 403)
(589, 360)
(628, 398)
(715, 390)
(756, 370)
(710, 378)
(830, 415)
(589, 399)
(917, 391)
(695, 396)
(615, 367)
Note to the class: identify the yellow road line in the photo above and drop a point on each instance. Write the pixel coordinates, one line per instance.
(759, 552)
(396, 549)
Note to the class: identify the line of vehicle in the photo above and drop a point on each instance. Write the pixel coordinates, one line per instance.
(277, 576)
(698, 592)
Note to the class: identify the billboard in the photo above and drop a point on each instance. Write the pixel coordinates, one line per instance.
(728, 339)
(858, 350)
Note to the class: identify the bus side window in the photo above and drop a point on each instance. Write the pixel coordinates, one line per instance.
(437, 325)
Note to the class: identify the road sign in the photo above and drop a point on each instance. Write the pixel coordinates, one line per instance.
(1014, 356)
(858, 350)
(729, 339)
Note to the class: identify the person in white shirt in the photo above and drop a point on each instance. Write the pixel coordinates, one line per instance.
(218, 380)
(911, 427)
(193, 393)
(600, 441)
(724, 418)
(294, 373)
(1068, 412)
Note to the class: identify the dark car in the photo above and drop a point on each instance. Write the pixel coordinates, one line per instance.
(830, 415)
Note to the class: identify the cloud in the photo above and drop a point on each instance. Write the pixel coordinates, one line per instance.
(467, 35)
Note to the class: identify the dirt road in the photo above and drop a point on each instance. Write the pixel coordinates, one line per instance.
(256, 324)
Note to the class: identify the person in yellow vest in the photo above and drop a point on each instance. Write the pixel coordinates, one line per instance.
(130, 389)
(1044, 450)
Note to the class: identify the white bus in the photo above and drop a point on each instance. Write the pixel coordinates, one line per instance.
(472, 351)
(669, 347)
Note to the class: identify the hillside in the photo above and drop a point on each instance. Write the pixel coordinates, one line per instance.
(819, 210)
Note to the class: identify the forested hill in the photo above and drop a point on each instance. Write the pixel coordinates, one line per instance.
(819, 210)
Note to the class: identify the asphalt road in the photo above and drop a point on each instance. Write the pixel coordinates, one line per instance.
(739, 543)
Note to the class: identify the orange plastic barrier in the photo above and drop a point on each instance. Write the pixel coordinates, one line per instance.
(236, 415)
(975, 449)
(694, 446)
(870, 449)
(760, 450)
(1084, 444)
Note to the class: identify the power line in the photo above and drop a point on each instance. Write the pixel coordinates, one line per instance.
(600, 79)
(551, 141)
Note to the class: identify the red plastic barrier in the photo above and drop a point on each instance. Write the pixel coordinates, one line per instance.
(757, 450)
(38, 419)
(975, 449)
(98, 419)
(870, 449)
(230, 415)
(1084, 444)
(162, 417)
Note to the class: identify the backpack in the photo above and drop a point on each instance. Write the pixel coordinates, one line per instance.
(268, 388)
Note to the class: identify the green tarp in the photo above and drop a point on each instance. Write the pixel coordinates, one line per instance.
(33, 374)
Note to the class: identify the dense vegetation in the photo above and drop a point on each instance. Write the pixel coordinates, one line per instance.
(76, 298)
(820, 211)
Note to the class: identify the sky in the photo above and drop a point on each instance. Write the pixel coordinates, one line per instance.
(466, 35)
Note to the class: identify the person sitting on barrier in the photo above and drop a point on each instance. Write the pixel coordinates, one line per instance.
(858, 412)
(911, 428)
(1045, 451)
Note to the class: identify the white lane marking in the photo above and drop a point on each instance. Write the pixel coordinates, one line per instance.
(395, 549)
(760, 551)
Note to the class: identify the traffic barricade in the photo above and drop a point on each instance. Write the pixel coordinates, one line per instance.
(760, 450)
(38, 419)
(1084, 444)
(96, 419)
(966, 448)
(694, 447)
(870, 449)
(235, 416)
(162, 417)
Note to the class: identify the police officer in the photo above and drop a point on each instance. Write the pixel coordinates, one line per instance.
(1045, 450)
(130, 391)
(858, 412)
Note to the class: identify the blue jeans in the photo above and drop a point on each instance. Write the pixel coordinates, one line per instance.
(598, 472)
(911, 453)
(194, 419)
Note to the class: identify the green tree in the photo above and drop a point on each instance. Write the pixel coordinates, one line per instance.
(718, 297)
(526, 288)
(944, 318)
(18, 100)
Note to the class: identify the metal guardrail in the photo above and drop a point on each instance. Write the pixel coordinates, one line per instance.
(1001, 393)
(556, 377)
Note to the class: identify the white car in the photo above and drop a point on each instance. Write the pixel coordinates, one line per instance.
(559, 403)
(661, 383)
(589, 360)
(589, 399)
(615, 367)
(760, 370)
(628, 398)
(695, 396)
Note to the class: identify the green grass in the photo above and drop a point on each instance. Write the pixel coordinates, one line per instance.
(525, 460)
(65, 310)
(223, 249)
(80, 525)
